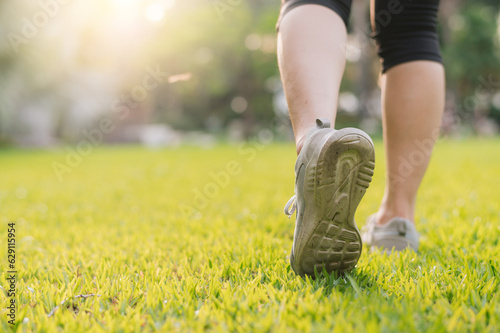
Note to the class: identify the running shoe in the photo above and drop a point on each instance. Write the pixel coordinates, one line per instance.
(397, 234)
(333, 171)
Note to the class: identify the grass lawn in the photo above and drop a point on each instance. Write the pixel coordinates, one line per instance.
(156, 244)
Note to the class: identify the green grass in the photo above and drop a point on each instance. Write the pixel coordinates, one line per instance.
(126, 225)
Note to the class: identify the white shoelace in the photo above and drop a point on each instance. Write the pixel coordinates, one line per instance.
(291, 206)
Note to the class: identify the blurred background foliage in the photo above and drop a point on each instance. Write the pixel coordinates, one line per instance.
(168, 71)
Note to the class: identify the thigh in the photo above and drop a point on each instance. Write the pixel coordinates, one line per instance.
(405, 30)
(341, 7)
(389, 15)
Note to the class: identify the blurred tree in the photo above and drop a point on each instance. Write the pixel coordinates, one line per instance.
(230, 55)
(472, 57)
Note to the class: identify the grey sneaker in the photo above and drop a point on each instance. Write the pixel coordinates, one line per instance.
(333, 171)
(397, 234)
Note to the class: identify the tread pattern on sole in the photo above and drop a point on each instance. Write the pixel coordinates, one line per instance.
(335, 244)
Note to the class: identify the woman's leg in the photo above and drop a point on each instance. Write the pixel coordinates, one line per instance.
(412, 106)
(335, 167)
(311, 55)
(413, 90)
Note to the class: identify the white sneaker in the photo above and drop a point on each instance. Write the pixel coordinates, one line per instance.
(397, 234)
(333, 171)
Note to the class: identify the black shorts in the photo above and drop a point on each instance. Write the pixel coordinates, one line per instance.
(405, 30)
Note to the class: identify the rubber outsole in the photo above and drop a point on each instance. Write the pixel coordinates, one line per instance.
(337, 180)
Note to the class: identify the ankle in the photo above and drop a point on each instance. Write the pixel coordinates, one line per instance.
(388, 212)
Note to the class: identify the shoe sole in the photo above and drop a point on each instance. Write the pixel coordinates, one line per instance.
(336, 182)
